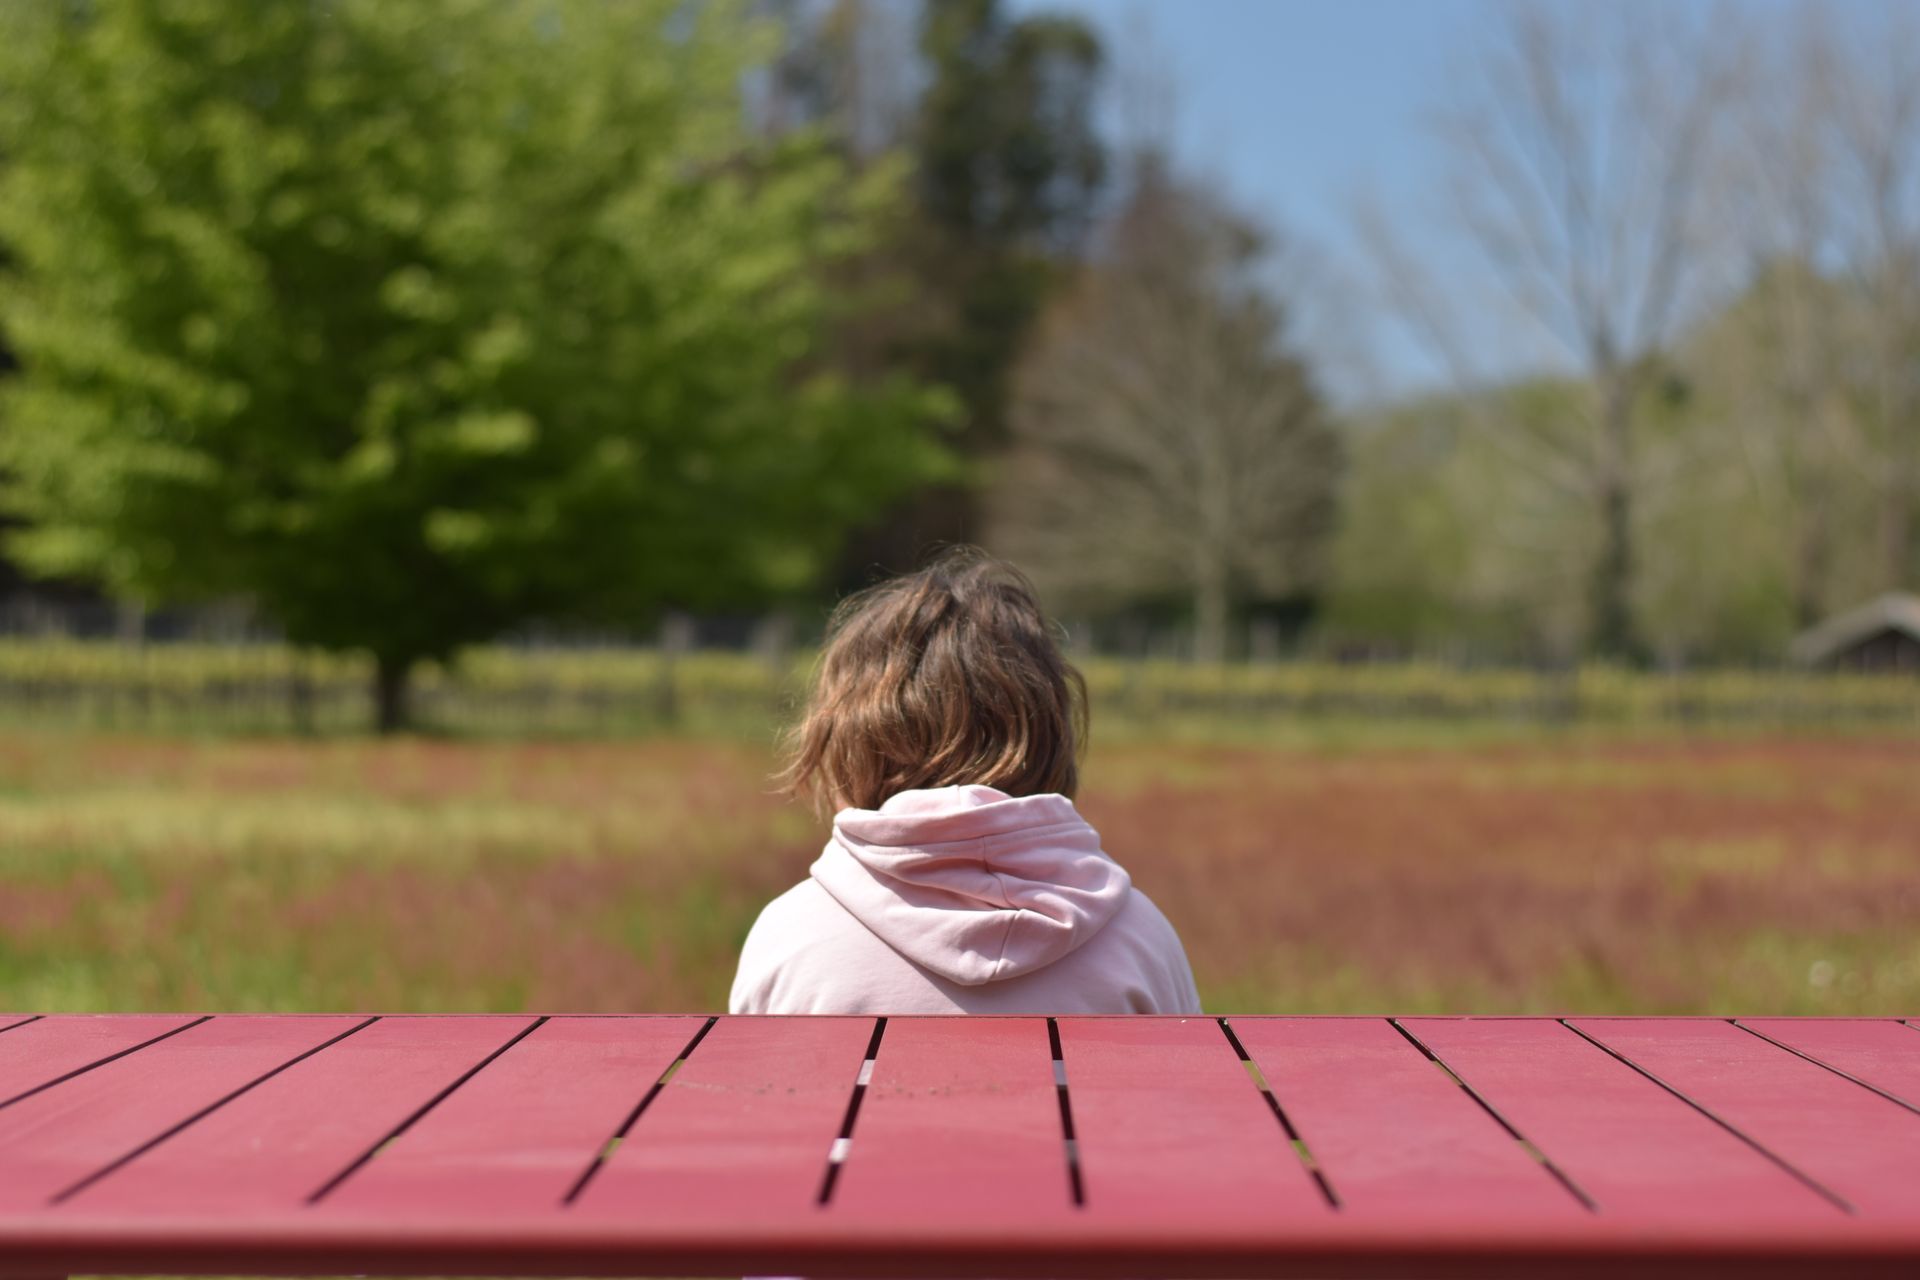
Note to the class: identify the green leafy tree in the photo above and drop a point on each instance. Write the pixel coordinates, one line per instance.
(413, 321)
(993, 113)
(1009, 168)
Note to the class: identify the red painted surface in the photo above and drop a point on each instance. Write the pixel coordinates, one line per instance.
(1884, 1054)
(1156, 1102)
(961, 1121)
(37, 1052)
(52, 1139)
(283, 1140)
(1637, 1150)
(517, 1135)
(1848, 1139)
(200, 1151)
(1393, 1134)
(749, 1119)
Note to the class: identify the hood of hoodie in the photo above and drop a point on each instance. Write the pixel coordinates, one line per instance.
(971, 883)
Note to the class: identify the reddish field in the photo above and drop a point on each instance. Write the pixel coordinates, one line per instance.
(1779, 876)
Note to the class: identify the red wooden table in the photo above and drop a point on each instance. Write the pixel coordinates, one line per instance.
(979, 1146)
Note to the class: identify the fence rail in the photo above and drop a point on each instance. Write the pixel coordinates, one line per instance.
(611, 693)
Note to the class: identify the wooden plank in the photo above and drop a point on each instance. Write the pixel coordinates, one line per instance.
(518, 1135)
(44, 1050)
(1879, 1052)
(1394, 1135)
(960, 1124)
(749, 1118)
(1172, 1132)
(978, 1090)
(1849, 1139)
(1640, 1152)
(274, 1145)
(53, 1139)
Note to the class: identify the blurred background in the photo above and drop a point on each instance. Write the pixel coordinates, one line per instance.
(1472, 448)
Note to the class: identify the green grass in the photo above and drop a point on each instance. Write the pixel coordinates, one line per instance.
(1659, 876)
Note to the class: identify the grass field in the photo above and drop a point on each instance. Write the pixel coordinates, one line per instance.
(1664, 876)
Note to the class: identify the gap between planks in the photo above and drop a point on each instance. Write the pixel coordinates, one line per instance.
(1074, 1185)
(1868, 1085)
(123, 1161)
(1298, 1145)
(99, 1062)
(1527, 1145)
(359, 1162)
(842, 1144)
(1813, 1184)
(841, 1148)
(612, 1144)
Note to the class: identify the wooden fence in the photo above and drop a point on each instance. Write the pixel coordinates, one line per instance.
(619, 692)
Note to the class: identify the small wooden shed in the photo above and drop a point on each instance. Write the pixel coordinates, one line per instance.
(1881, 635)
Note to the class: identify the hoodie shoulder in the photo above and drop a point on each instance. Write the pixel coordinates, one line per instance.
(808, 954)
(779, 932)
(1159, 955)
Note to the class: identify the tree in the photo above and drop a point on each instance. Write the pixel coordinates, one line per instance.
(1777, 372)
(1776, 359)
(412, 321)
(1443, 549)
(1166, 439)
(1809, 368)
(993, 118)
(845, 67)
(1583, 158)
(1862, 84)
(1008, 166)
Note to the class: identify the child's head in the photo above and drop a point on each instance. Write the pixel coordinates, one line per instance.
(944, 677)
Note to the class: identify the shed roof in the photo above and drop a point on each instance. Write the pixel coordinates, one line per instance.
(1895, 611)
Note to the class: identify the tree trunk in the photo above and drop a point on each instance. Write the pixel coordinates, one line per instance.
(1813, 564)
(1900, 496)
(1899, 534)
(1612, 633)
(1211, 609)
(1810, 499)
(300, 697)
(390, 678)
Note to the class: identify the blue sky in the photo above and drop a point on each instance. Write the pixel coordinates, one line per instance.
(1297, 107)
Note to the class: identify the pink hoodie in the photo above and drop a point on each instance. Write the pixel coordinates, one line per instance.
(963, 900)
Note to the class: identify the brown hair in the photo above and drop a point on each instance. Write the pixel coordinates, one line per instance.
(938, 678)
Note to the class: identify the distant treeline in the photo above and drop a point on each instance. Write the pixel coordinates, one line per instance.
(410, 326)
(612, 693)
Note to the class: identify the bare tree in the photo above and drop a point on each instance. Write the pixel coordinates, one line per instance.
(1582, 156)
(1166, 439)
(1868, 81)
(1817, 359)
(1780, 363)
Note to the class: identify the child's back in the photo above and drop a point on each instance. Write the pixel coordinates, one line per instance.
(960, 879)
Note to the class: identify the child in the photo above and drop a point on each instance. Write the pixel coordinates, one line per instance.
(943, 729)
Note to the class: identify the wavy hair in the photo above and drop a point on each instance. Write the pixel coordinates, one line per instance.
(943, 677)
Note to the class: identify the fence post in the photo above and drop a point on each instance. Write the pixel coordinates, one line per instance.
(676, 637)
